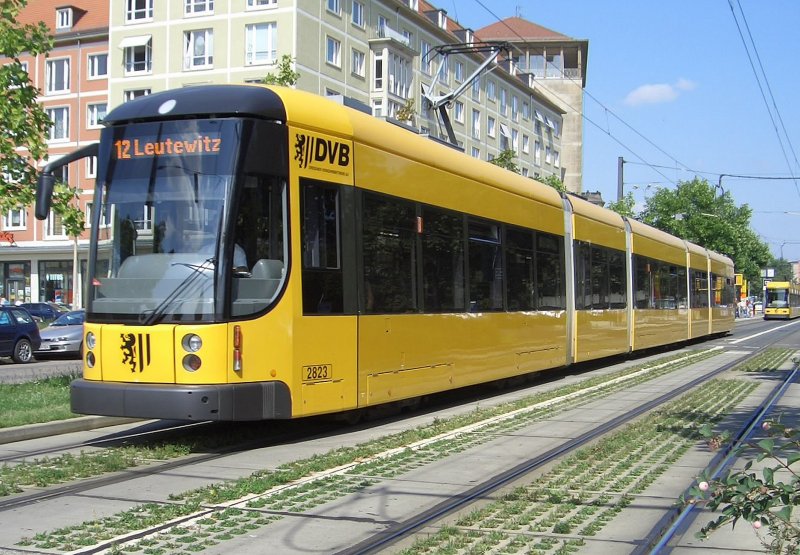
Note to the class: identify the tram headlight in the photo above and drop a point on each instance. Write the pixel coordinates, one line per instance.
(90, 359)
(91, 341)
(192, 363)
(191, 343)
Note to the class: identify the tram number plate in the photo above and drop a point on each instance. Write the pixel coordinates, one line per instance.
(317, 372)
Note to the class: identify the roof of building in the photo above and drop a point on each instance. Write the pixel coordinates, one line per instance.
(515, 28)
(88, 15)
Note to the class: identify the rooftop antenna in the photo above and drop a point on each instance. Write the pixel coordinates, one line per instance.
(518, 11)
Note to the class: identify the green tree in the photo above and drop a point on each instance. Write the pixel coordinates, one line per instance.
(286, 75)
(694, 212)
(624, 206)
(506, 160)
(406, 113)
(554, 182)
(25, 124)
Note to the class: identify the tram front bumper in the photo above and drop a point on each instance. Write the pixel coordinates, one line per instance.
(229, 402)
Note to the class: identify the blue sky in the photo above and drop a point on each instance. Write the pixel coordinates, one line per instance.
(678, 74)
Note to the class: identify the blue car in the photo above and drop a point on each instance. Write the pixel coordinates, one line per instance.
(19, 334)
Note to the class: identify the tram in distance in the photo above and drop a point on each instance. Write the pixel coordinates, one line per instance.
(781, 300)
(266, 253)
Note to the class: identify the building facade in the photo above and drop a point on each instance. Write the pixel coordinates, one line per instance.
(383, 53)
(36, 258)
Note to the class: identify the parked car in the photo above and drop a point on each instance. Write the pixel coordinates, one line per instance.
(64, 336)
(19, 334)
(46, 312)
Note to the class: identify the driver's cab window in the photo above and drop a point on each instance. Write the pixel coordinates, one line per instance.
(259, 244)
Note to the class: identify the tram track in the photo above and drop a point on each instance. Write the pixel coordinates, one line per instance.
(403, 530)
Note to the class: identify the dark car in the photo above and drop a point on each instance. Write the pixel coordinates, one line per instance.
(46, 312)
(64, 336)
(19, 334)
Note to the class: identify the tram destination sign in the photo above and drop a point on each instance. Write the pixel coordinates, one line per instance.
(169, 145)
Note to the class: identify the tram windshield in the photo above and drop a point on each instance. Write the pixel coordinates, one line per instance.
(183, 222)
(777, 298)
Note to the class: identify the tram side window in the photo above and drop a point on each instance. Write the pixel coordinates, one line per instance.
(485, 266)
(617, 282)
(699, 286)
(583, 275)
(599, 278)
(643, 278)
(520, 269)
(550, 283)
(442, 260)
(323, 291)
(389, 255)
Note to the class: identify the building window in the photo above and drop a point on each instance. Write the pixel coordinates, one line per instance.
(556, 159)
(515, 140)
(63, 18)
(425, 58)
(95, 113)
(459, 111)
(91, 167)
(358, 14)
(476, 124)
(261, 43)
(59, 130)
(134, 93)
(526, 144)
(198, 49)
(399, 76)
(358, 63)
(514, 108)
(90, 215)
(476, 152)
(378, 73)
(505, 137)
(491, 93)
(548, 155)
(537, 153)
(195, 7)
(334, 7)
(503, 102)
(459, 72)
(526, 111)
(476, 90)
(138, 10)
(333, 51)
(57, 76)
(98, 65)
(490, 126)
(54, 227)
(15, 219)
(138, 55)
(261, 3)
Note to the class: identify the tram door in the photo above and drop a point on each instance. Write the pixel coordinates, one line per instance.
(326, 334)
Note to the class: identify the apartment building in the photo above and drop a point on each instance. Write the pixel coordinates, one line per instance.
(383, 53)
(36, 258)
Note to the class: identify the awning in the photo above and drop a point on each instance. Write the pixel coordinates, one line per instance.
(139, 40)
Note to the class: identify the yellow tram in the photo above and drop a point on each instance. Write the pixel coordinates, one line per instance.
(269, 253)
(781, 300)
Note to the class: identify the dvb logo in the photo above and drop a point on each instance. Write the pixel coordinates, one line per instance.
(308, 148)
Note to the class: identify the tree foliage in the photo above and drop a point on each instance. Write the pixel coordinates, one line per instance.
(554, 182)
(25, 123)
(624, 206)
(286, 75)
(506, 160)
(694, 212)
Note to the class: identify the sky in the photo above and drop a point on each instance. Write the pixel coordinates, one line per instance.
(670, 88)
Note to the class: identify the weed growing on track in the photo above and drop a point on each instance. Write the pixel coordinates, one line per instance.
(35, 402)
(767, 361)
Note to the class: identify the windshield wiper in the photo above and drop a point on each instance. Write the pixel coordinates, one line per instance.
(149, 317)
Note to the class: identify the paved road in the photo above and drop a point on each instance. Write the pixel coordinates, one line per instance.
(19, 373)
